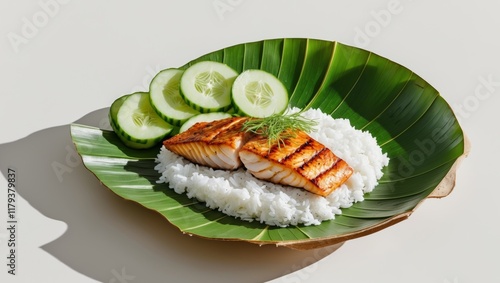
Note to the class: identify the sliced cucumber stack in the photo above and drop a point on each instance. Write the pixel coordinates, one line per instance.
(166, 99)
(206, 86)
(205, 117)
(136, 123)
(259, 94)
(204, 92)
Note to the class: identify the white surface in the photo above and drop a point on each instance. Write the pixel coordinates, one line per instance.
(81, 55)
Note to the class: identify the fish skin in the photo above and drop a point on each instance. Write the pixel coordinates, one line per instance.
(299, 161)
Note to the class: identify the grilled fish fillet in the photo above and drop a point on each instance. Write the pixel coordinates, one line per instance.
(215, 144)
(300, 162)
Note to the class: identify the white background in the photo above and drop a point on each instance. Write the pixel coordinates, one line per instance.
(66, 61)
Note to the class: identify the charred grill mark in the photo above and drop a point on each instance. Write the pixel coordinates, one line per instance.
(316, 162)
(299, 151)
(276, 148)
(303, 154)
(203, 132)
(322, 163)
(258, 144)
(288, 146)
(272, 151)
(334, 176)
(225, 128)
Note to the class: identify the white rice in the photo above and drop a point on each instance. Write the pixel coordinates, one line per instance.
(239, 194)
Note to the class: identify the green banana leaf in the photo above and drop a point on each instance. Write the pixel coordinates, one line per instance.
(410, 120)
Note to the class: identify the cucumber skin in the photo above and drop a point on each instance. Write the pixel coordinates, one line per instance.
(136, 143)
(128, 140)
(170, 120)
(201, 109)
(113, 111)
(237, 110)
(204, 109)
(240, 112)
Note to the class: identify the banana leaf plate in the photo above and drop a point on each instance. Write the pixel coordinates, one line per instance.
(410, 120)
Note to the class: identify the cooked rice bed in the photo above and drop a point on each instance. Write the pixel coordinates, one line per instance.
(239, 194)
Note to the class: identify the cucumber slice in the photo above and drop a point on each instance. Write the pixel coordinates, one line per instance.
(259, 94)
(166, 99)
(206, 86)
(136, 123)
(113, 112)
(205, 117)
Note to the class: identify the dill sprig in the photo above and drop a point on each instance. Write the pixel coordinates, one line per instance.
(279, 127)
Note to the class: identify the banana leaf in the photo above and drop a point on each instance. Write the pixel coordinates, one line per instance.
(412, 123)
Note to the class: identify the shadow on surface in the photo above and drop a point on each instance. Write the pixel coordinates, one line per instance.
(110, 239)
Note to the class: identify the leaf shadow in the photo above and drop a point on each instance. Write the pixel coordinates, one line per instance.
(107, 235)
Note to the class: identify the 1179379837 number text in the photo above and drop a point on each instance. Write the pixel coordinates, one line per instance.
(11, 221)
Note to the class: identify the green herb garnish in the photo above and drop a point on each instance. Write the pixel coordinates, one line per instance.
(279, 127)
